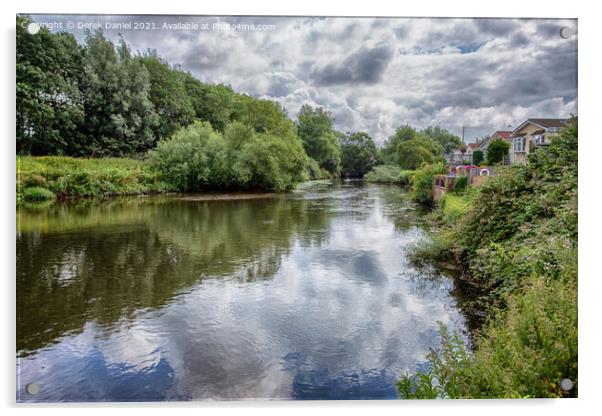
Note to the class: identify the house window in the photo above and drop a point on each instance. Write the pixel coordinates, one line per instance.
(539, 139)
(518, 144)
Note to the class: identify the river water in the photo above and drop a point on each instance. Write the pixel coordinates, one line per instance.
(307, 295)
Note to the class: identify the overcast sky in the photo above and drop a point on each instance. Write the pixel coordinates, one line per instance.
(375, 74)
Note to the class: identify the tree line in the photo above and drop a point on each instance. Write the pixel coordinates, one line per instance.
(99, 99)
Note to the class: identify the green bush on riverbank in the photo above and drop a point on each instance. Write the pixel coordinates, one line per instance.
(83, 177)
(517, 241)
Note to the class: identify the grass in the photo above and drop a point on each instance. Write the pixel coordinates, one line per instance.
(65, 177)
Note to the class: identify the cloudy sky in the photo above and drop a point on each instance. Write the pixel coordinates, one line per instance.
(375, 74)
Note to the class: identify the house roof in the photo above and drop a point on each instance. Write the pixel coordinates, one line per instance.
(544, 123)
(474, 145)
(504, 134)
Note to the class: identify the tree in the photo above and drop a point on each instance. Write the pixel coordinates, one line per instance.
(119, 117)
(496, 151)
(409, 148)
(171, 101)
(314, 128)
(448, 140)
(49, 106)
(358, 154)
(412, 154)
(477, 157)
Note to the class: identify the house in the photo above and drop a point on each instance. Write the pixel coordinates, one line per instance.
(532, 133)
(470, 148)
(499, 134)
(457, 157)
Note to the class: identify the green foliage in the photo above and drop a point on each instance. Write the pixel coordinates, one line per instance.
(191, 159)
(454, 207)
(409, 149)
(49, 105)
(168, 94)
(525, 351)
(199, 158)
(389, 174)
(517, 242)
(37, 194)
(80, 177)
(496, 151)
(460, 184)
(422, 182)
(447, 140)
(477, 157)
(358, 154)
(314, 128)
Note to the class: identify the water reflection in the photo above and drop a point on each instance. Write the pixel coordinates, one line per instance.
(306, 295)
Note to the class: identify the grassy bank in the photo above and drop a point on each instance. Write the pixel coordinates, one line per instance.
(44, 178)
(515, 238)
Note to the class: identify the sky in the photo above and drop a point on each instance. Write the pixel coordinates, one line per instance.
(372, 74)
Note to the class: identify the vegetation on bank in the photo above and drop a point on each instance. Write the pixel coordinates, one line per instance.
(516, 240)
(43, 178)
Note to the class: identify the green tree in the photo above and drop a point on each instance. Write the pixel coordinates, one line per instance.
(49, 108)
(413, 153)
(212, 103)
(496, 151)
(477, 157)
(445, 138)
(171, 100)
(263, 116)
(119, 117)
(408, 148)
(358, 154)
(314, 128)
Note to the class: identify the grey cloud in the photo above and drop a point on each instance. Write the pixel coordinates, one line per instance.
(519, 40)
(549, 29)
(497, 27)
(319, 60)
(366, 65)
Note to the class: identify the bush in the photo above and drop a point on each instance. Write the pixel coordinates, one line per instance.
(198, 158)
(422, 183)
(526, 351)
(496, 151)
(517, 243)
(190, 159)
(37, 194)
(386, 174)
(454, 208)
(477, 157)
(460, 184)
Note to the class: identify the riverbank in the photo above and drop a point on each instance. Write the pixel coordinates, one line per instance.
(45, 178)
(515, 239)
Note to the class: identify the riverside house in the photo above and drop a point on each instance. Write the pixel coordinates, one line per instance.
(499, 134)
(531, 133)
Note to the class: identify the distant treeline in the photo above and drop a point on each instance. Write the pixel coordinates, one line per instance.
(99, 99)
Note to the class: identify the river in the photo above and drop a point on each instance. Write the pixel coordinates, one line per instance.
(306, 295)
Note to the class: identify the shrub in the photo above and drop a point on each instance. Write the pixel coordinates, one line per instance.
(460, 184)
(525, 351)
(186, 160)
(37, 194)
(384, 174)
(477, 157)
(496, 151)
(454, 208)
(422, 182)
(518, 244)
(198, 158)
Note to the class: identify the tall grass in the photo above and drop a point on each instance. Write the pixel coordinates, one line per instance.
(85, 177)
